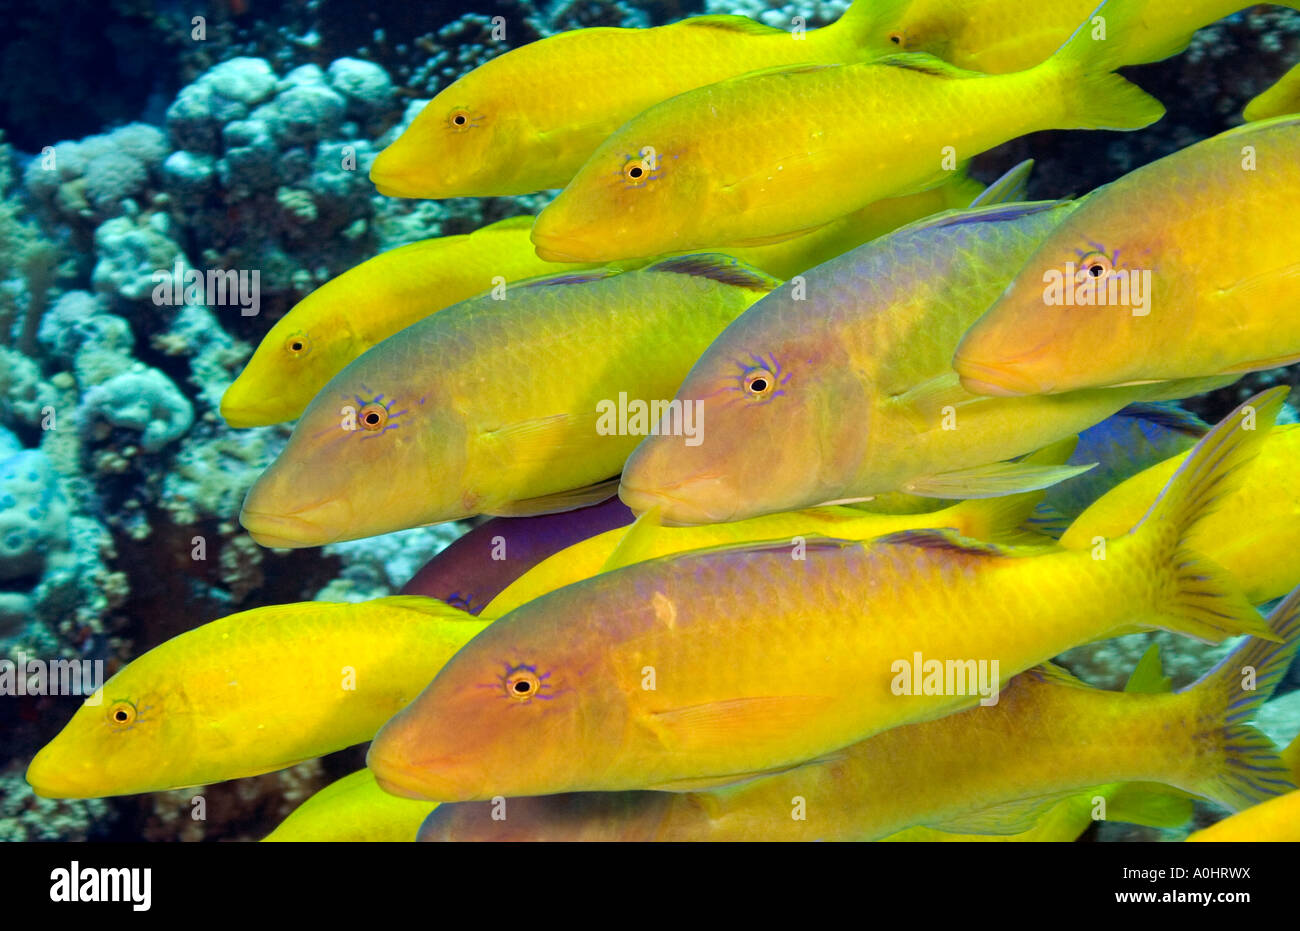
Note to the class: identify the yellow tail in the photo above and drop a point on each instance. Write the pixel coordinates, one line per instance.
(1200, 599)
(1095, 97)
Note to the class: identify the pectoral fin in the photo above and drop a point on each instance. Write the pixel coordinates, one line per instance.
(711, 725)
(991, 481)
(560, 501)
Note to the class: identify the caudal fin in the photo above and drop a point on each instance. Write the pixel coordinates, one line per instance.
(1244, 766)
(1095, 97)
(1196, 596)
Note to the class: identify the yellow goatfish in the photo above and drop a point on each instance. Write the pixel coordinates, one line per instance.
(992, 519)
(774, 154)
(786, 259)
(842, 388)
(707, 668)
(352, 809)
(1277, 819)
(1254, 535)
(347, 315)
(1279, 100)
(1186, 267)
(986, 770)
(527, 120)
(251, 693)
(998, 36)
(525, 405)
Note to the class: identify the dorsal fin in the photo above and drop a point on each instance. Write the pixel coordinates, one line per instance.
(567, 278)
(1011, 188)
(426, 605)
(1056, 675)
(730, 23)
(717, 267)
(923, 62)
(994, 213)
(1148, 676)
(1167, 414)
(949, 540)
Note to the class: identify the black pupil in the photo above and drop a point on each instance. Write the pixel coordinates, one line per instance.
(895, 39)
(635, 171)
(460, 120)
(1096, 271)
(297, 347)
(121, 715)
(522, 686)
(372, 418)
(758, 384)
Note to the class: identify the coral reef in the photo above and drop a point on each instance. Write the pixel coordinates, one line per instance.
(246, 154)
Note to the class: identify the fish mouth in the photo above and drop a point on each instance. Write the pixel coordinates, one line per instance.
(995, 381)
(241, 416)
(403, 779)
(548, 251)
(50, 779)
(283, 531)
(674, 509)
(393, 183)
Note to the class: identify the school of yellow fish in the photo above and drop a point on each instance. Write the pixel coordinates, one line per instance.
(893, 442)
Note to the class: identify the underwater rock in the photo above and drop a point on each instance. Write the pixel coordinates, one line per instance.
(146, 401)
(368, 88)
(33, 514)
(130, 250)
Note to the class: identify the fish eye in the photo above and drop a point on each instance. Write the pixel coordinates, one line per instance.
(373, 417)
(460, 120)
(121, 714)
(522, 684)
(1096, 265)
(759, 383)
(297, 345)
(896, 38)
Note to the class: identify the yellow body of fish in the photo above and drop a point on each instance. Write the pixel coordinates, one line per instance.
(527, 120)
(1134, 803)
(347, 315)
(1184, 268)
(998, 769)
(1279, 100)
(352, 809)
(1255, 534)
(506, 407)
(998, 36)
(251, 693)
(992, 519)
(786, 259)
(705, 668)
(1277, 819)
(770, 155)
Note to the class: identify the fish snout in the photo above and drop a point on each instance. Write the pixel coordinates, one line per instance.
(992, 381)
(271, 524)
(686, 503)
(432, 779)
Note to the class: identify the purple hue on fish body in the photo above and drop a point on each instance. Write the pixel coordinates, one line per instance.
(467, 575)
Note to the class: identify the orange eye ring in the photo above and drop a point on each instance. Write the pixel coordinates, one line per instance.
(297, 345)
(1094, 267)
(121, 714)
(759, 383)
(636, 171)
(373, 417)
(522, 684)
(460, 120)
